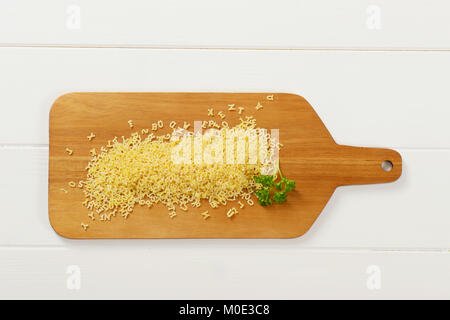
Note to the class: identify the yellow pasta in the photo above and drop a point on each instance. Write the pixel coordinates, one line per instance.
(205, 215)
(69, 151)
(213, 124)
(270, 97)
(232, 212)
(231, 107)
(91, 136)
(140, 171)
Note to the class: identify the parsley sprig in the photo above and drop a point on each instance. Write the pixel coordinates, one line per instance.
(272, 191)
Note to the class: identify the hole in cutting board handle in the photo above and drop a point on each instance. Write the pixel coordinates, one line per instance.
(387, 165)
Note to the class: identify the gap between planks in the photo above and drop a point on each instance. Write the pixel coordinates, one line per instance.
(139, 246)
(168, 47)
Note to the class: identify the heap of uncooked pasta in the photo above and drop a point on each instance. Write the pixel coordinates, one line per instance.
(142, 170)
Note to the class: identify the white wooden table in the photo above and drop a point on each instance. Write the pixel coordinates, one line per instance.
(377, 73)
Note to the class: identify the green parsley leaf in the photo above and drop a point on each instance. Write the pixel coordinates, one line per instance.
(266, 181)
(271, 191)
(289, 185)
(263, 196)
(280, 197)
(279, 185)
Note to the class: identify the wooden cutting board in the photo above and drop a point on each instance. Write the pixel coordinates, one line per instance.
(309, 156)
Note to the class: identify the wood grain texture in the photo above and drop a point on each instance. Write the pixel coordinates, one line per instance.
(310, 156)
(353, 217)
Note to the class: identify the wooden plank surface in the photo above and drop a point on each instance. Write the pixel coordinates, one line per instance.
(233, 272)
(354, 217)
(395, 98)
(358, 24)
(311, 158)
(387, 103)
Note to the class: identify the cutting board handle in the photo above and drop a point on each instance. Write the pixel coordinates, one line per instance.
(358, 165)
